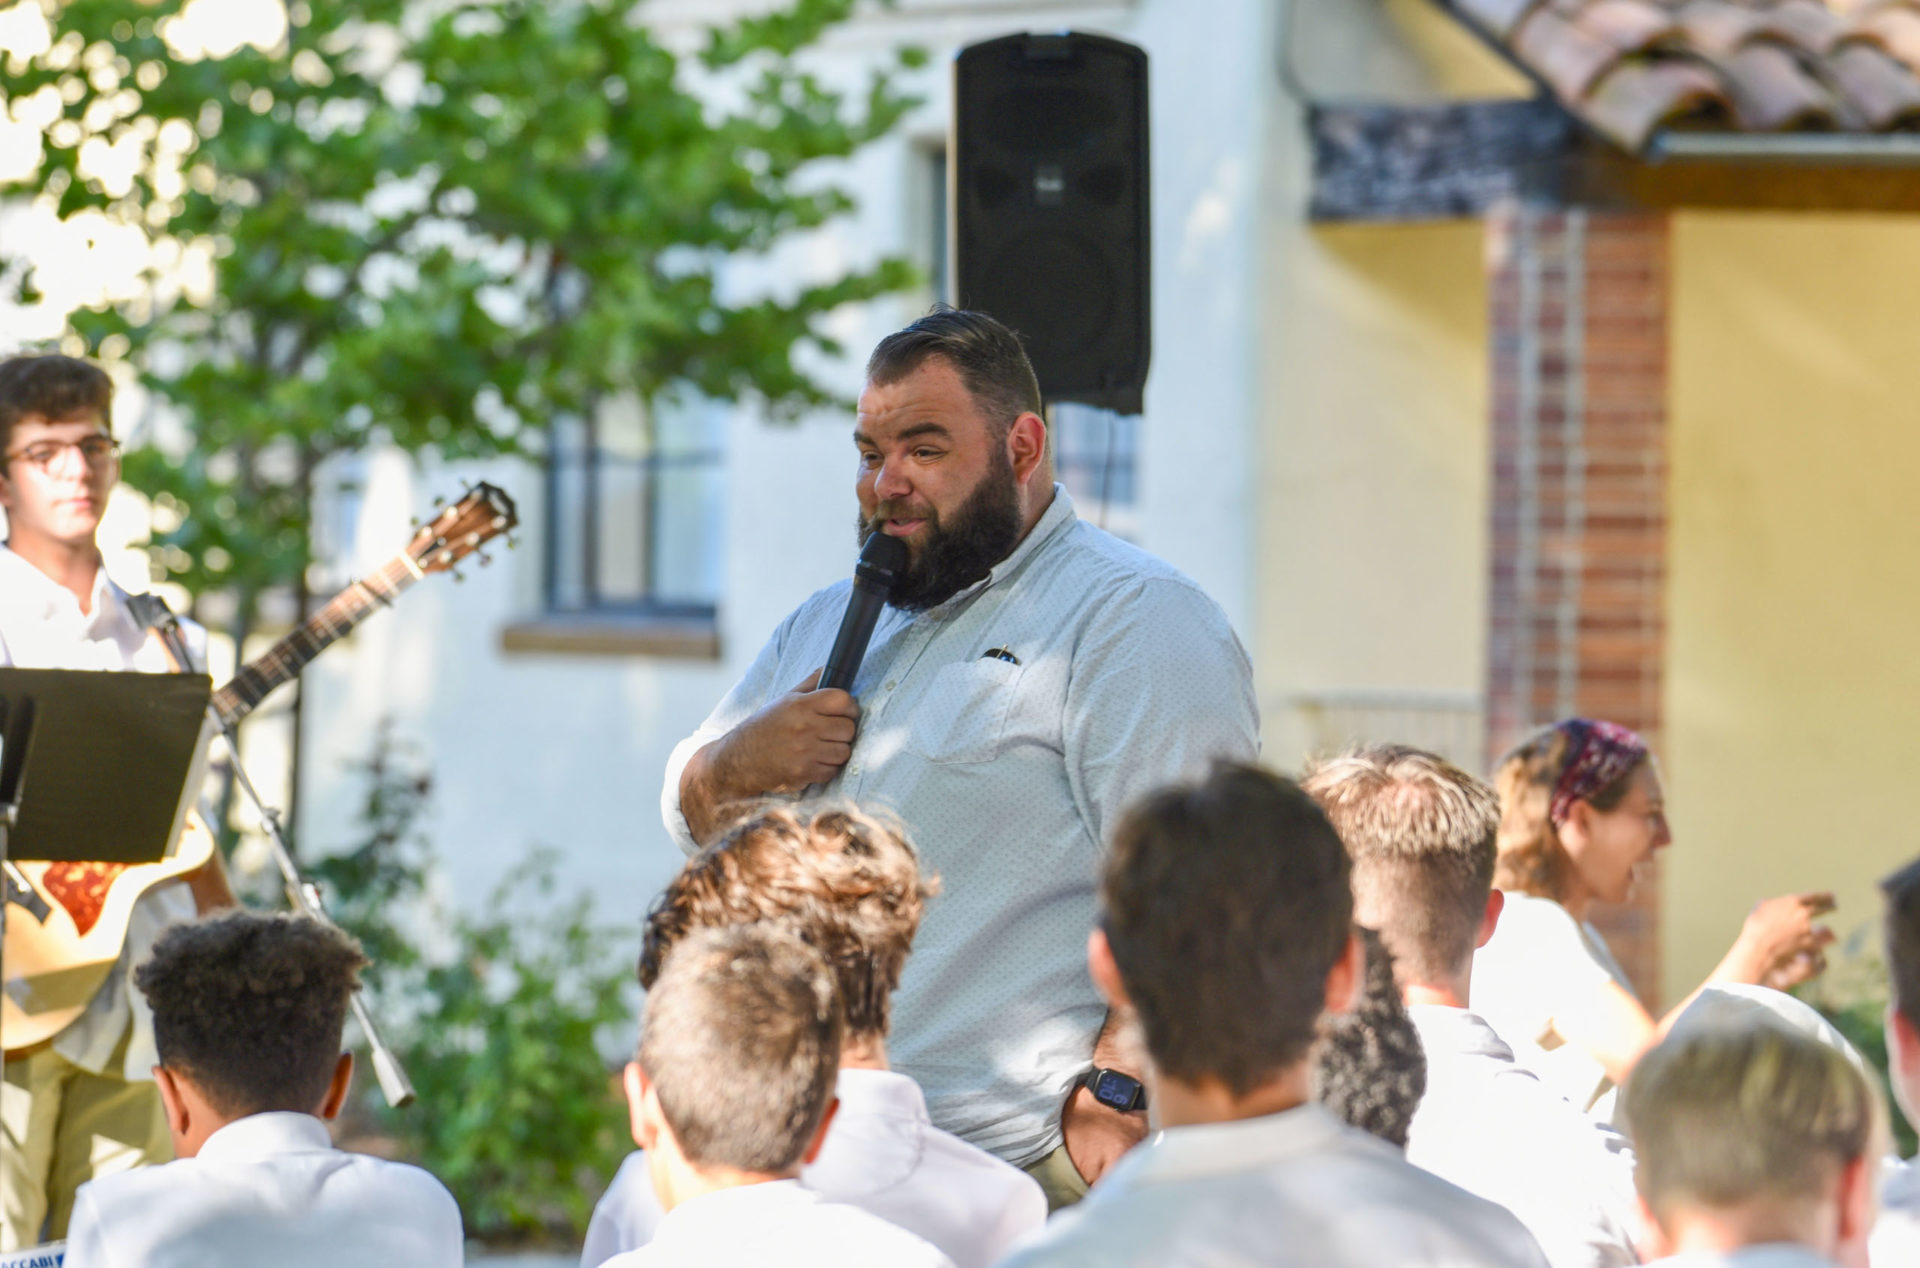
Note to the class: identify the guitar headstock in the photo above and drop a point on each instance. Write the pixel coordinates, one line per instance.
(456, 531)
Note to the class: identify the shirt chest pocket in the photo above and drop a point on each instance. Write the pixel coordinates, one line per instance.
(963, 717)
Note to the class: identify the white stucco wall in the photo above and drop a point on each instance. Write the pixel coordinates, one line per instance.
(567, 750)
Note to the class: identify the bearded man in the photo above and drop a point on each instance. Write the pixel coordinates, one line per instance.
(1030, 677)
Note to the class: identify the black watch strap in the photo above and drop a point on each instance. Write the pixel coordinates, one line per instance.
(1116, 1091)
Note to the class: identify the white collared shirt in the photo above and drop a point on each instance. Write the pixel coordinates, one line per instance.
(1896, 1234)
(1769, 1255)
(883, 1155)
(1299, 1189)
(777, 1222)
(1119, 675)
(267, 1191)
(1539, 958)
(1491, 1127)
(42, 627)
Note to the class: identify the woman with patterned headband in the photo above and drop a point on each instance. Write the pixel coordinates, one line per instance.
(1581, 813)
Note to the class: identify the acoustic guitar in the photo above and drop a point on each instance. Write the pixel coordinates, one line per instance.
(66, 929)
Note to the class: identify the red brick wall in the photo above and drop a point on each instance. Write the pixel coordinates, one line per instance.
(1576, 627)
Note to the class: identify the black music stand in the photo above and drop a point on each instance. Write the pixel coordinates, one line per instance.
(116, 757)
(115, 760)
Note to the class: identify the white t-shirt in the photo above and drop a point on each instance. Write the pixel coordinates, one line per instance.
(1298, 1189)
(777, 1222)
(267, 1190)
(1538, 958)
(1896, 1234)
(883, 1155)
(1491, 1127)
(42, 627)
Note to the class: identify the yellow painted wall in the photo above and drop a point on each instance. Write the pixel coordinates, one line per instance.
(1374, 457)
(1374, 477)
(1793, 665)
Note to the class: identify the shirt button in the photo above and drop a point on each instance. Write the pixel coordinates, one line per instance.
(888, 687)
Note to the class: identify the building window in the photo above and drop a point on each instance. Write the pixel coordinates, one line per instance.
(1095, 454)
(634, 511)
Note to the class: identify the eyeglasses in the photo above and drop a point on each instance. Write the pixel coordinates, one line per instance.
(97, 450)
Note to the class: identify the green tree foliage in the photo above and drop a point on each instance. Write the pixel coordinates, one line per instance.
(446, 222)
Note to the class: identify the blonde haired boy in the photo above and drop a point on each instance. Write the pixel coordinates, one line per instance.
(1757, 1147)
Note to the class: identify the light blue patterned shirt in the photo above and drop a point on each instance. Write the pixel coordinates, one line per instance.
(1010, 775)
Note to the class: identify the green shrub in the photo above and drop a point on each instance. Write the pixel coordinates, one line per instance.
(503, 1021)
(1853, 995)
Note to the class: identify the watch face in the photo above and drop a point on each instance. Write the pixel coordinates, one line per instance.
(1116, 1090)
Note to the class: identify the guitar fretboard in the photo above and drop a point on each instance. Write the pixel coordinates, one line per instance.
(285, 659)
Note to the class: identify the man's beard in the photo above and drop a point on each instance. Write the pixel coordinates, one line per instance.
(984, 530)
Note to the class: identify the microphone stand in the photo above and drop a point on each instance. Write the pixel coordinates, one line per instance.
(305, 897)
(303, 894)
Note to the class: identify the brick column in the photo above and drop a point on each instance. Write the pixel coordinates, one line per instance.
(1576, 627)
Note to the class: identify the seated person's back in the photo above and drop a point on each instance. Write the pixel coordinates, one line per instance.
(851, 887)
(1226, 925)
(1421, 834)
(731, 1094)
(248, 1010)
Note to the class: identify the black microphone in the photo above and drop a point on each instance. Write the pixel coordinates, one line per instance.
(882, 560)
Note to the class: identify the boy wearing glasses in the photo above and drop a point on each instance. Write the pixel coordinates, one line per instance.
(82, 1104)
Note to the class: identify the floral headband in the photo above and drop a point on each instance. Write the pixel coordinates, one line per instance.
(1598, 754)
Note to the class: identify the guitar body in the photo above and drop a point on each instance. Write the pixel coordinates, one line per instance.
(55, 966)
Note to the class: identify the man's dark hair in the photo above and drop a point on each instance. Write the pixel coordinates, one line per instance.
(741, 1041)
(54, 388)
(1226, 904)
(1421, 832)
(249, 1006)
(1370, 1068)
(987, 356)
(1902, 893)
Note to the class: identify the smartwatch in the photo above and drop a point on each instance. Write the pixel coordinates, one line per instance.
(1115, 1090)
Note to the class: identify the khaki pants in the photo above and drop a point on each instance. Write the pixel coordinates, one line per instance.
(1059, 1179)
(62, 1127)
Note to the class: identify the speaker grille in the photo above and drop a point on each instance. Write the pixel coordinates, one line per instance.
(1050, 206)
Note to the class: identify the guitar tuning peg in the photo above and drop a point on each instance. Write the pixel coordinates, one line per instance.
(414, 520)
(513, 543)
(484, 559)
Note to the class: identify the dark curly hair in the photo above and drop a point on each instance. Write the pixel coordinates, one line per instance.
(249, 1006)
(1370, 1068)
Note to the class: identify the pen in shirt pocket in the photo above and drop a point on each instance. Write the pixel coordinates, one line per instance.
(1000, 653)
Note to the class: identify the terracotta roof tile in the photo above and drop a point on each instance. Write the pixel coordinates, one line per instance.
(1631, 67)
(1771, 93)
(1895, 28)
(1881, 91)
(1563, 54)
(1643, 96)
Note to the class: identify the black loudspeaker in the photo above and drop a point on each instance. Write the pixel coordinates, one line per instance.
(1049, 206)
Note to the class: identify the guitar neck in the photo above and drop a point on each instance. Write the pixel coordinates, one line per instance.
(285, 659)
